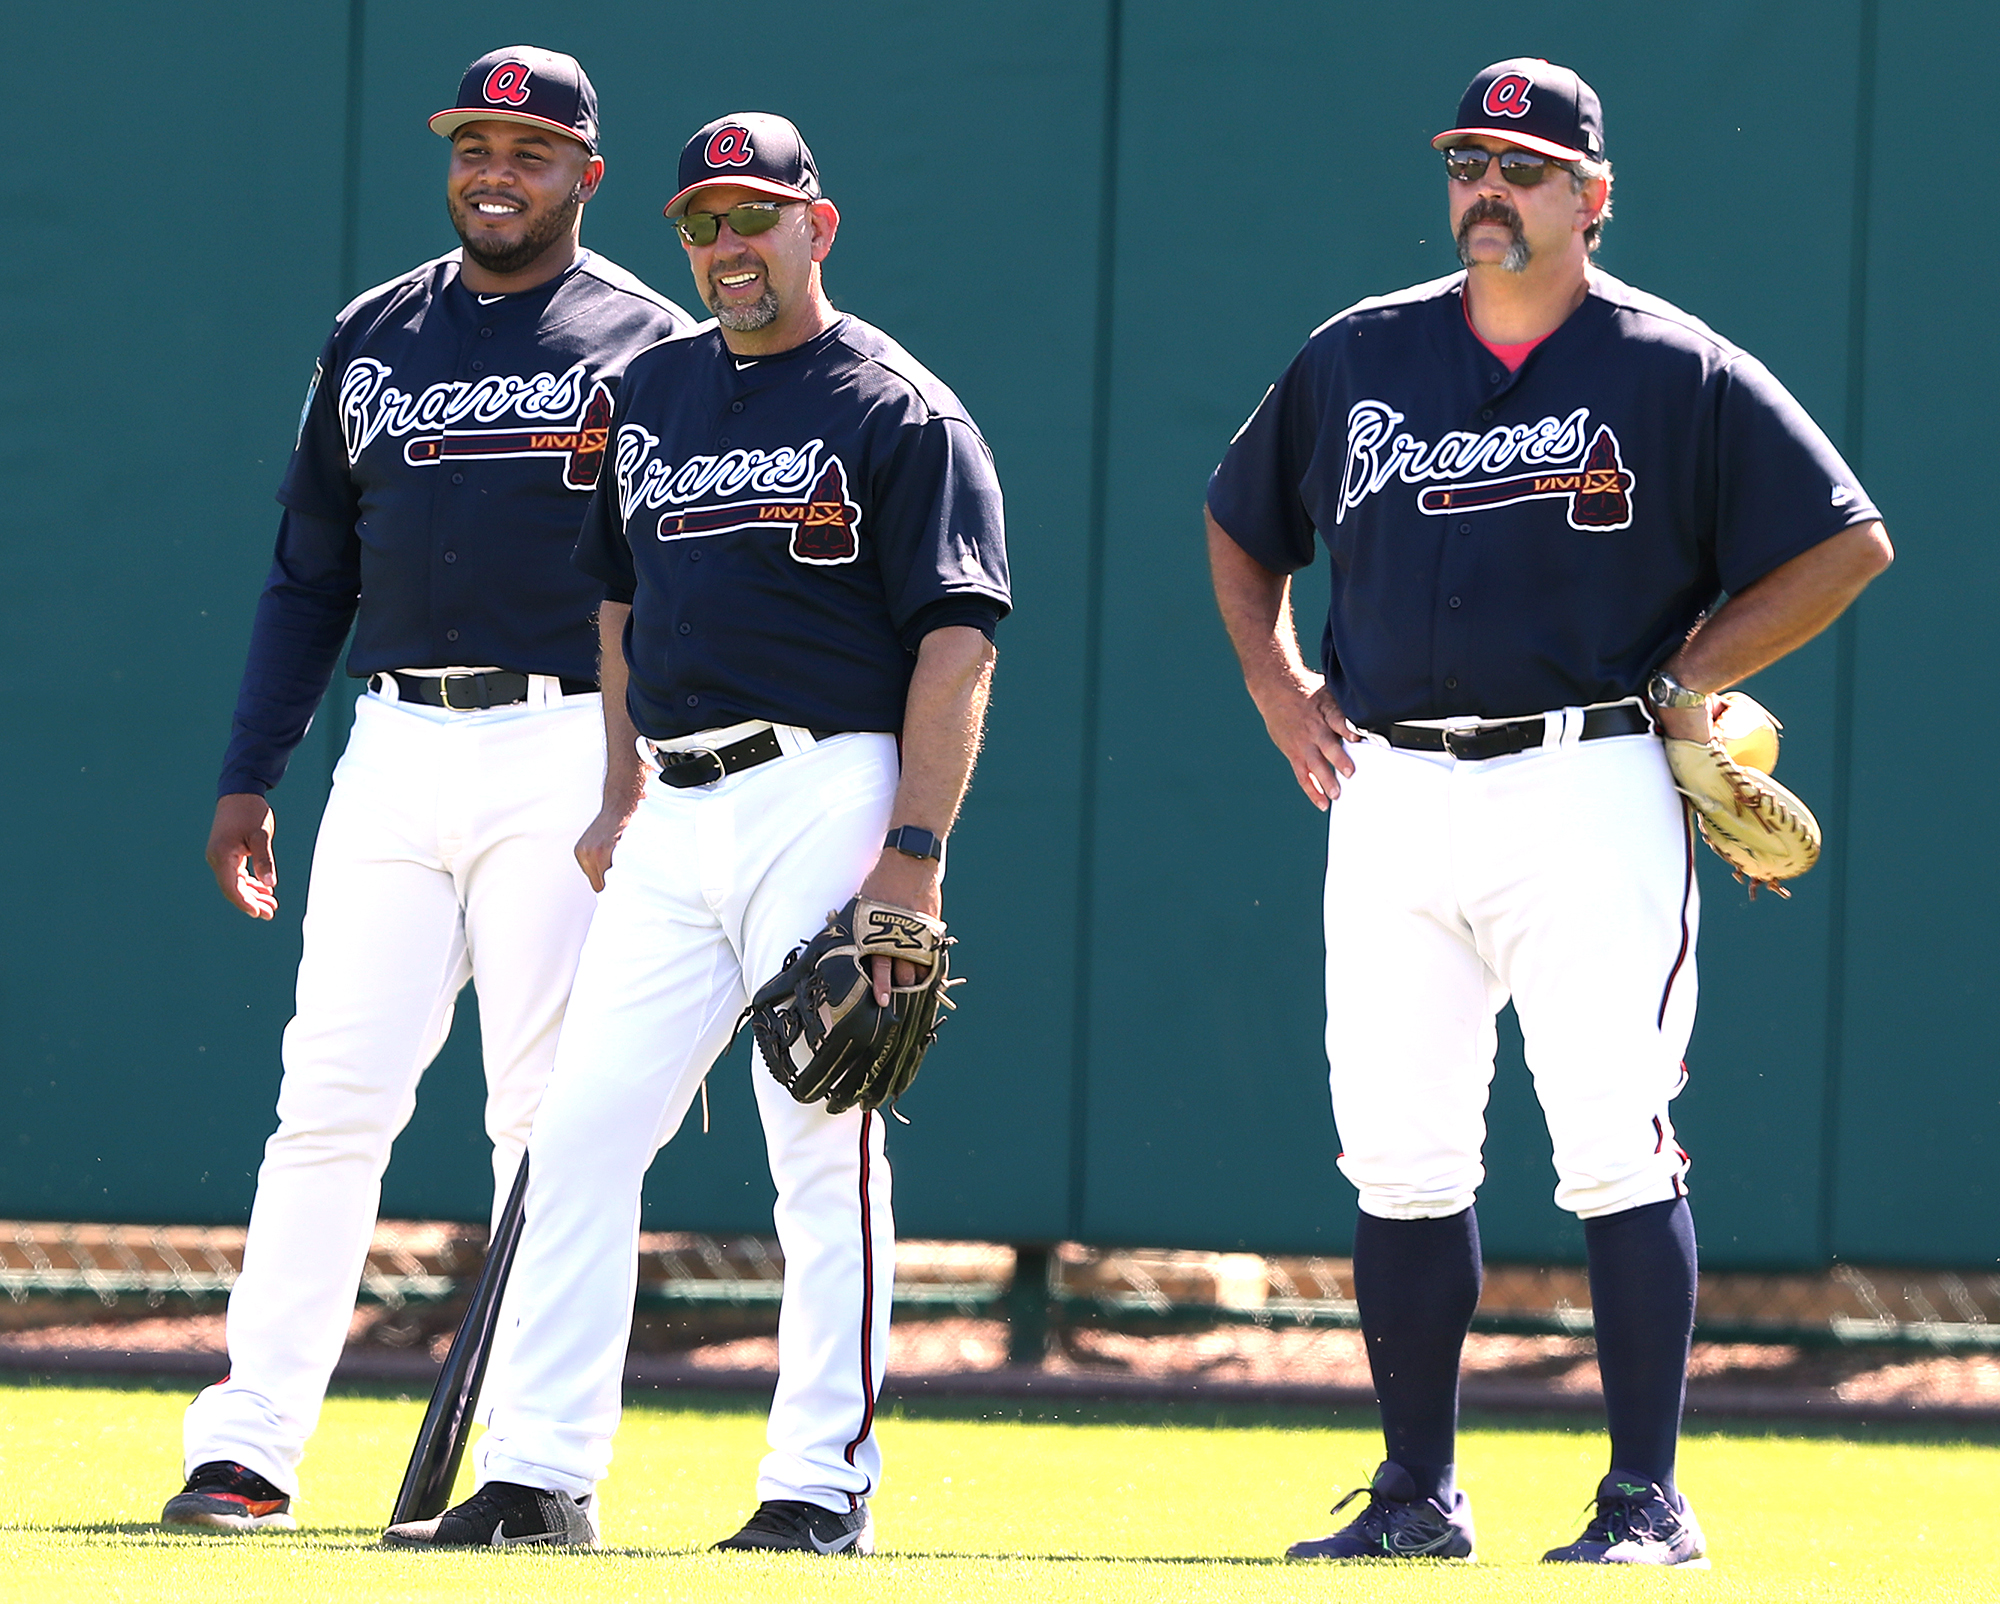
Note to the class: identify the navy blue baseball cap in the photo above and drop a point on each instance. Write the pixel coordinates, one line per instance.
(752, 149)
(1534, 104)
(522, 84)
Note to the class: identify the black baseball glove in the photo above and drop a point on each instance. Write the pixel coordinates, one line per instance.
(817, 1024)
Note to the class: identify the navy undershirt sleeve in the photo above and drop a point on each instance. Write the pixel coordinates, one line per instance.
(302, 618)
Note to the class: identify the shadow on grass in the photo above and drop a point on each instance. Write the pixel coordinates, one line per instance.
(366, 1539)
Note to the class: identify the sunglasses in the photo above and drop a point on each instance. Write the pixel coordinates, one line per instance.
(751, 217)
(1521, 168)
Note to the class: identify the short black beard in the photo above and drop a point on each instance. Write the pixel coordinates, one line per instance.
(1486, 210)
(502, 260)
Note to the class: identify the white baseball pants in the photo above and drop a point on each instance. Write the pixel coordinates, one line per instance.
(710, 888)
(445, 854)
(1562, 877)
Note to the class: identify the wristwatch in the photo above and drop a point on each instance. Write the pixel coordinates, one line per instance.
(914, 842)
(1663, 690)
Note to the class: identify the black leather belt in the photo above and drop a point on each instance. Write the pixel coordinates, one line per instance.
(688, 766)
(471, 693)
(1516, 735)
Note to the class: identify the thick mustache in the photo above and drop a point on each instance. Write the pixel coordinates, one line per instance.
(1488, 209)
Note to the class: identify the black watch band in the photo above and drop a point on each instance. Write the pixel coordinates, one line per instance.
(913, 842)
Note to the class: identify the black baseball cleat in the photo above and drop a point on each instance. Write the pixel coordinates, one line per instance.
(787, 1525)
(1397, 1524)
(504, 1514)
(225, 1497)
(1638, 1522)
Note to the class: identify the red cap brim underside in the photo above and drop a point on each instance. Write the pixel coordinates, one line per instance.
(1541, 147)
(452, 118)
(763, 186)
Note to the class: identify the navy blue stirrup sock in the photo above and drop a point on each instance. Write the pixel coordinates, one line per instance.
(1417, 1282)
(1642, 1290)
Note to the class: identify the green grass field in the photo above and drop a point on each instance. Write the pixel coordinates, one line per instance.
(1094, 1503)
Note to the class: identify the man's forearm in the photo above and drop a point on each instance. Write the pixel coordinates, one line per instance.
(1256, 608)
(944, 721)
(1783, 610)
(624, 779)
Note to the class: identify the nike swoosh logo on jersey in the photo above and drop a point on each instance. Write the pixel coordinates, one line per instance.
(488, 300)
(741, 364)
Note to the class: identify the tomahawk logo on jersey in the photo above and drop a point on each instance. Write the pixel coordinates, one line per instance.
(786, 491)
(1576, 480)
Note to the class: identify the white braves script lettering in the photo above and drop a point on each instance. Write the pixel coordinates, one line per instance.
(1377, 451)
(371, 406)
(644, 481)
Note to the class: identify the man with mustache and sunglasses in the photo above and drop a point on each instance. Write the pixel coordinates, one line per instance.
(800, 548)
(451, 435)
(1536, 485)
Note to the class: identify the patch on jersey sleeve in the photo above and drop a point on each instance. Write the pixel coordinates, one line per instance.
(305, 408)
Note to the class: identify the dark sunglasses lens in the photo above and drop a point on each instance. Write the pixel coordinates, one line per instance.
(1523, 170)
(1466, 165)
(751, 219)
(699, 228)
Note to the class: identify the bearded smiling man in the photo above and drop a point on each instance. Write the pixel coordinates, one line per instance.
(453, 430)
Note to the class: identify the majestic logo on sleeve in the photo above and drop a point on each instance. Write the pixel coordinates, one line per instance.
(798, 491)
(507, 85)
(729, 147)
(564, 415)
(1555, 459)
(1507, 96)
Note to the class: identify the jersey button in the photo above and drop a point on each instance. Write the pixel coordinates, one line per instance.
(451, 634)
(687, 629)
(1486, 414)
(1454, 600)
(479, 367)
(1451, 682)
(694, 556)
(736, 406)
(458, 478)
(1465, 529)
(724, 441)
(452, 557)
(694, 701)
(486, 334)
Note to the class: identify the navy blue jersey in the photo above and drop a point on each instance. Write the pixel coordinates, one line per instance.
(788, 528)
(1504, 544)
(447, 450)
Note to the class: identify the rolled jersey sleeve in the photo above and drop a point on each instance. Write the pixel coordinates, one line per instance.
(1781, 486)
(1254, 492)
(940, 531)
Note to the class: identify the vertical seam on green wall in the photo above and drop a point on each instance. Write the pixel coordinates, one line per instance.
(1846, 642)
(1093, 603)
(332, 730)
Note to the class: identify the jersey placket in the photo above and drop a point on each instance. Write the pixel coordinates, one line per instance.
(1455, 596)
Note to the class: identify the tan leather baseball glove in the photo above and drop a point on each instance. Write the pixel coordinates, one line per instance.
(1756, 826)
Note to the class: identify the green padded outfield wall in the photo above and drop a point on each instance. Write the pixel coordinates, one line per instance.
(1107, 224)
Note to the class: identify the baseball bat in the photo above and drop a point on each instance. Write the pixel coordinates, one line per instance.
(447, 1423)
